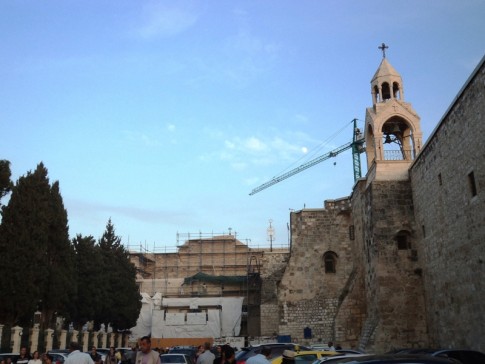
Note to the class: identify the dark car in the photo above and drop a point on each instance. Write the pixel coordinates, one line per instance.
(463, 355)
(394, 359)
(276, 350)
(13, 356)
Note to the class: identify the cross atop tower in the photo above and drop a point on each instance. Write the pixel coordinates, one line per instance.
(383, 48)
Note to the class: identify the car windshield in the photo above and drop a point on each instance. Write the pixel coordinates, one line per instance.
(172, 359)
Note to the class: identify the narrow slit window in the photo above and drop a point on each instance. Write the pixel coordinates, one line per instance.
(472, 184)
(330, 262)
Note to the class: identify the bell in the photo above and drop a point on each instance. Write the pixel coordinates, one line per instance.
(388, 139)
(395, 129)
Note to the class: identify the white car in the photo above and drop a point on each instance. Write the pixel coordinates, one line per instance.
(176, 359)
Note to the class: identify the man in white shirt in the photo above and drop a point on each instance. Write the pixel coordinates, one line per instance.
(76, 356)
(207, 357)
(146, 355)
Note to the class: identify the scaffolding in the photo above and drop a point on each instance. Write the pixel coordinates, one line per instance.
(206, 265)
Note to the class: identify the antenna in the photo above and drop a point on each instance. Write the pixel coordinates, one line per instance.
(271, 235)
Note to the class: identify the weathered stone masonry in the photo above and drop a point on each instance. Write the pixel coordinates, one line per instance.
(451, 220)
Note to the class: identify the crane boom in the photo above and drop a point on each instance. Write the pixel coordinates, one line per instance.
(304, 166)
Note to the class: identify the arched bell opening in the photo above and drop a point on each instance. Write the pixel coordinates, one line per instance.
(396, 91)
(386, 91)
(397, 139)
(375, 95)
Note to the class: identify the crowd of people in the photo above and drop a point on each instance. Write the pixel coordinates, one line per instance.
(144, 354)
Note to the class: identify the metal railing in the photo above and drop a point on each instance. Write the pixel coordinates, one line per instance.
(399, 155)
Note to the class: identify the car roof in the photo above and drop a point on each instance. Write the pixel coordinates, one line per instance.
(395, 358)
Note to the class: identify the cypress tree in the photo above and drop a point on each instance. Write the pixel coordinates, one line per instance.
(60, 287)
(121, 302)
(37, 257)
(23, 243)
(90, 278)
(5, 182)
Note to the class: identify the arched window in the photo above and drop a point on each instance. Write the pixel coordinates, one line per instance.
(386, 91)
(396, 91)
(330, 262)
(376, 94)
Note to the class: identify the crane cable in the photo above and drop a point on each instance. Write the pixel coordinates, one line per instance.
(316, 149)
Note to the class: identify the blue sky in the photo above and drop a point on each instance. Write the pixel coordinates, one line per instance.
(164, 115)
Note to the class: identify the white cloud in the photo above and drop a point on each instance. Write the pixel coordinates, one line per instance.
(138, 137)
(161, 20)
(170, 127)
(254, 144)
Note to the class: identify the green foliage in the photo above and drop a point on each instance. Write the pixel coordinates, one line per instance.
(41, 269)
(90, 280)
(5, 182)
(121, 302)
(61, 287)
(24, 245)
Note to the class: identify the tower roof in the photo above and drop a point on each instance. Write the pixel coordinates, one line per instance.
(385, 70)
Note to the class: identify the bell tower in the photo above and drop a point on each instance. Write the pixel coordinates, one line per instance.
(393, 134)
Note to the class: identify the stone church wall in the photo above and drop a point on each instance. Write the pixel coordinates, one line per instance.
(451, 220)
(383, 217)
(273, 266)
(329, 303)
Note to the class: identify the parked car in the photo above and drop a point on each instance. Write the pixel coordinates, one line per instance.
(390, 359)
(176, 358)
(349, 351)
(187, 350)
(276, 350)
(13, 356)
(336, 358)
(103, 352)
(58, 357)
(463, 355)
(305, 356)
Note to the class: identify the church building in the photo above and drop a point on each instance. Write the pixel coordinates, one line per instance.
(400, 262)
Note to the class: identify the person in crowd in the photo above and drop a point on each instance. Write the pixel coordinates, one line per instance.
(111, 356)
(218, 355)
(35, 358)
(330, 346)
(146, 355)
(95, 356)
(76, 356)
(288, 357)
(229, 355)
(48, 359)
(130, 355)
(200, 350)
(207, 357)
(261, 358)
(24, 356)
(118, 356)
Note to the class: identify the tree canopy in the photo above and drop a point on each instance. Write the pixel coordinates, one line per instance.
(5, 182)
(42, 269)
